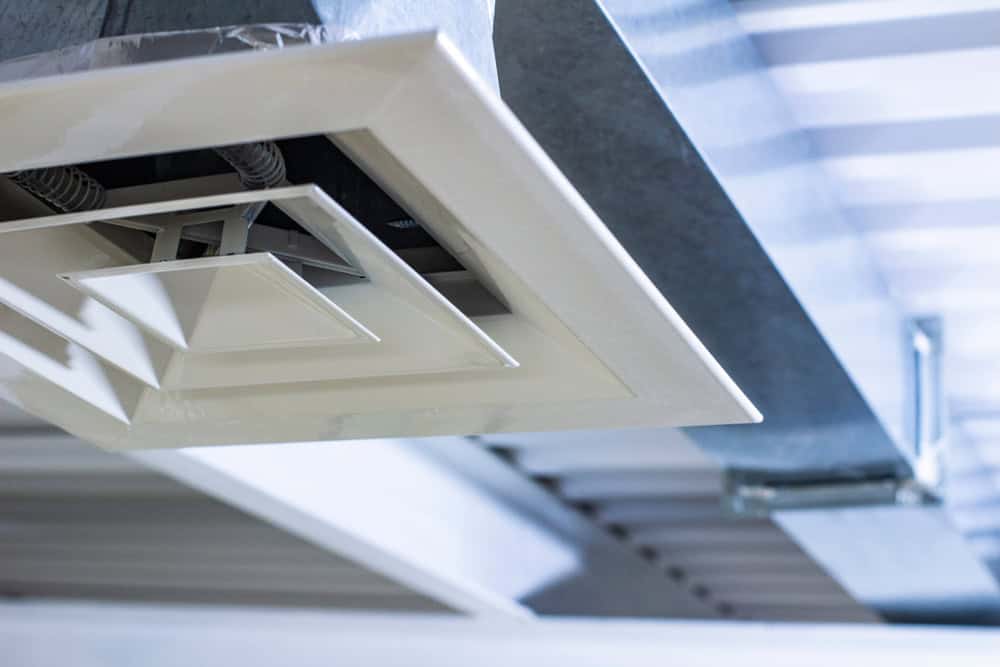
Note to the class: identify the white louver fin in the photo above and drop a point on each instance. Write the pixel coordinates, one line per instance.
(213, 304)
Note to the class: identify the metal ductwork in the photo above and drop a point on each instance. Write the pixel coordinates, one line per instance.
(744, 235)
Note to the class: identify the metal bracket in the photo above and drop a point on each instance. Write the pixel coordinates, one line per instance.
(929, 418)
(233, 229)
(750, 494)
(169, 230)
(236, 230)
(758, 493)
(167, 243)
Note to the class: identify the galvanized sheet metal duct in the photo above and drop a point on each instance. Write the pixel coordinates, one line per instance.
(695, 166)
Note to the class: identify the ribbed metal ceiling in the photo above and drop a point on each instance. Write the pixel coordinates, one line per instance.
(79, 522)
(655, 491)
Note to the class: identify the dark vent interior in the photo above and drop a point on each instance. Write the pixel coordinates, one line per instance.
(312, 159)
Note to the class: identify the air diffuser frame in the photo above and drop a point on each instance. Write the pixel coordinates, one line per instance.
(596, 343)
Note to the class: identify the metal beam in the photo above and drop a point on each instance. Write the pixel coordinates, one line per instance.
(663, 117)
(910, 563)
(613, 579)
(387, 505)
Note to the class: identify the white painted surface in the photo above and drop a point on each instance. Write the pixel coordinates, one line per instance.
(384, 504)
(47, 635)
(214, 304)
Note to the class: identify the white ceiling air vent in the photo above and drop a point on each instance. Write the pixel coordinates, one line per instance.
(319, 330)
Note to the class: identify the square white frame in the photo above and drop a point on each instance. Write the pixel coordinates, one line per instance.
(410, 111)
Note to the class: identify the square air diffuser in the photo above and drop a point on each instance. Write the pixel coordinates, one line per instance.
(538, 320)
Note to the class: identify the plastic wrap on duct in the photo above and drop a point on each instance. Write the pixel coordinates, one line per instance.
(471, 31)
(468, 23)
(153, 47)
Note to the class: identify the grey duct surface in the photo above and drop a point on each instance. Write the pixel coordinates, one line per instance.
(575, 85)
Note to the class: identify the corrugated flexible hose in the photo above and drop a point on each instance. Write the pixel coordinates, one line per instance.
(69, 189)
(260, 165)
(66, 189)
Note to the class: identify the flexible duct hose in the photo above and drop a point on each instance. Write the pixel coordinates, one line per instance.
(66, 189)
(260, 165)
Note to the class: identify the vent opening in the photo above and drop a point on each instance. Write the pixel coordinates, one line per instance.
(307, 160)
(312, 159)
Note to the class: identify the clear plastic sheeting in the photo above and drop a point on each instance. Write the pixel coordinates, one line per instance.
(476, 44)
(153, 47)
(468, 23)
